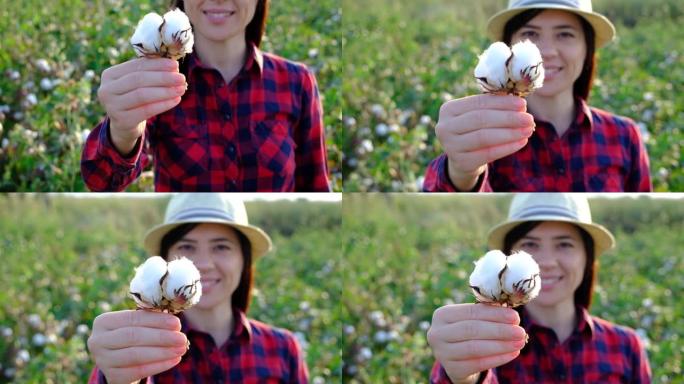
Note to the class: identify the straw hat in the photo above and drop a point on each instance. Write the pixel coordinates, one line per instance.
(207, 208)
(566, 207)
(604, 29)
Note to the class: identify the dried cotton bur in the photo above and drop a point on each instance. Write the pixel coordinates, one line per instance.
(166, 287)
(169, 36)
(514, 71)
(503, 280)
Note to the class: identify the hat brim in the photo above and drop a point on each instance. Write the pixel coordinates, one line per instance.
(603, 239)
(259, 240)
(603, 28)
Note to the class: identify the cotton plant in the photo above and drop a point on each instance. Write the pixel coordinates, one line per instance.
(518, 70)
(168, 36)
(507, 281)
(162, 286)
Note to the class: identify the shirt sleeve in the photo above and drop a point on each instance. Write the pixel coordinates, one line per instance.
(640, 367)
(299, 373)
(311, 171)
(439, 376)
(437, 178)
(103, 168)
(639, 177)
(96, 377)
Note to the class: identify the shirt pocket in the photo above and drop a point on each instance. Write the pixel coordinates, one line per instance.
(275, 150)
(604, 179)
(184, 151)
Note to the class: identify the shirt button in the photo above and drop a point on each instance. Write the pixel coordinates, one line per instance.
(232, 183)
(231, 150)
(561, 170)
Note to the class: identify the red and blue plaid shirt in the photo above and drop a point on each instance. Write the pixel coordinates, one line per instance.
(261, 132)
(254, 353)
(600, 152)
(596, 352)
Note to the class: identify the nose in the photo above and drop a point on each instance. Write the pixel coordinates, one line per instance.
(547, 48)
(545, 258)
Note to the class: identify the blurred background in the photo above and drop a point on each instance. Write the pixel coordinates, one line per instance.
(405, 255)
(66, 259)
(52, 56)
(402, 59)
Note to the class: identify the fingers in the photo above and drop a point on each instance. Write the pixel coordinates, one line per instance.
(476, 120)
(130, 357)
(475, 349)
(143, 79)
(458, 312)
(478, 330)
(135, 373)
(142, 336)
(138, 65)
(143, 96)
(128, 318)
(468, 161)
(482, 102)
(486, 138)
(144, 112)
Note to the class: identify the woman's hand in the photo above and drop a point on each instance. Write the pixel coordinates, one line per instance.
(136, 90)
(477, 130)
(130, 345)
(470, 338)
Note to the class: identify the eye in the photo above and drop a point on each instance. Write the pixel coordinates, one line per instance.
(528, 245)
(530, 34)
(566, 245)
(223, 247)
(186, 247)
(566, 35)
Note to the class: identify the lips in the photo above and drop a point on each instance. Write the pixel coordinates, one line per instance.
(548, 282)
(207, 284)
(217, 16)
(551, 71)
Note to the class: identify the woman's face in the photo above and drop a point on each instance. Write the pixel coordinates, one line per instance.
(220, 20)
(215, 250)
(560, 38)
(558, 248)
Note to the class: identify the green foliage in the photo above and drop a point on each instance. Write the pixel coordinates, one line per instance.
(407, 255)
(41, 142)
(68, 259)
(403, 59)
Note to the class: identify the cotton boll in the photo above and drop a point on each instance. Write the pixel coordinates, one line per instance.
(485, 280)
(491, 70)
(176, 34)
(145, 287)
(521, 282)
(147, 40)
(527, 70)
(182, 287)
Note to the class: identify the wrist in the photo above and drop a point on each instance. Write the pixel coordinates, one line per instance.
(463, 181)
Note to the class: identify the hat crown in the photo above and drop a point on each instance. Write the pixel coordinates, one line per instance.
(547, 206)
(583, 5)
(202, 206)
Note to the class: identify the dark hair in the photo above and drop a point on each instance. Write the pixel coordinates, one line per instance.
(242, 295)
(585, 290)
(256, 27)
(582, 86)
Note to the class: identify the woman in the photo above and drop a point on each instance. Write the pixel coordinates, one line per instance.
(483, 343)
(551, 141)
(249, 120)
(225, 346)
